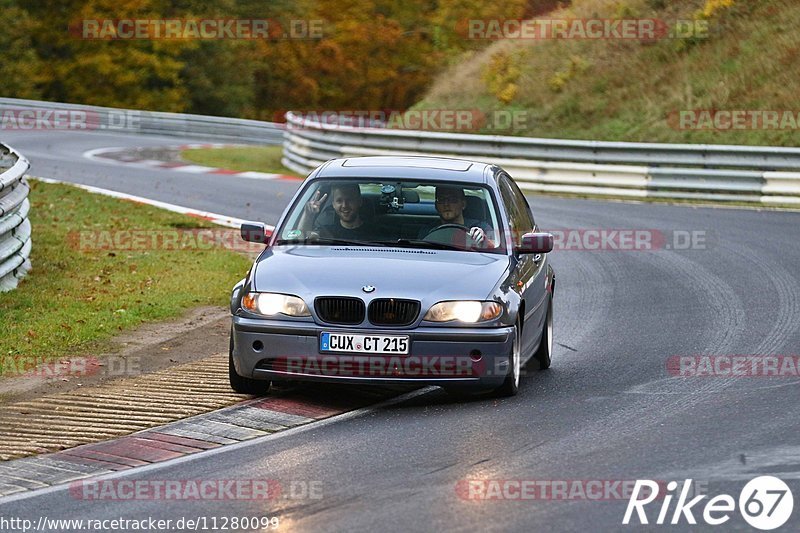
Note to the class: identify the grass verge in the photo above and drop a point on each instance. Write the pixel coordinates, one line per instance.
(258, 158)
(77, 296)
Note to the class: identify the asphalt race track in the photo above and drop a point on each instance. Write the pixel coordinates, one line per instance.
(59, 155)
(608, 410)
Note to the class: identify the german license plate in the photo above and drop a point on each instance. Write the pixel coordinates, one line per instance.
(351, 343)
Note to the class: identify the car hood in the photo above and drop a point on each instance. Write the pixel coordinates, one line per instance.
(426, 275)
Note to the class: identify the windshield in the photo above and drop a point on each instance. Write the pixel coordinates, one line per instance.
(389, 212)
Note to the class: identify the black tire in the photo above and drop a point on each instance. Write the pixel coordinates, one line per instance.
(510, 386)
(242, 385)
(543, 354)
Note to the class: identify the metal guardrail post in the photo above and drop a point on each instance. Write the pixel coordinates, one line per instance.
(15, 228)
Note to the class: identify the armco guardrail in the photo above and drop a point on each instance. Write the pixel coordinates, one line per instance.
(764, 175)
(15, 228)
(33, 114)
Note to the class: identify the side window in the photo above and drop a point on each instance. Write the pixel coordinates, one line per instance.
(517, 220)
(522, 206)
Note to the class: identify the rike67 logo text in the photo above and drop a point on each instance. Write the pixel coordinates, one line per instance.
(765, 503)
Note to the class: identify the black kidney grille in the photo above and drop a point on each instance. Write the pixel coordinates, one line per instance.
(338, 310)
(391, 312)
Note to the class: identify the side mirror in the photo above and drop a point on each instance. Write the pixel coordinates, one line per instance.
(255, 232)
(536, 243)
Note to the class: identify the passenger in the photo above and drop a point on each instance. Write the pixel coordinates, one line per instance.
(347, 203)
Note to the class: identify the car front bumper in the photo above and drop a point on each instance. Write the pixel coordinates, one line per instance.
(289, 350)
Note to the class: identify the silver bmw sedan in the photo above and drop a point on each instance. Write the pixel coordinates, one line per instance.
(386, 270)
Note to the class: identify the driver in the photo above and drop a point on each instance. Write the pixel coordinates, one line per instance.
(346, 202)
(450, 204)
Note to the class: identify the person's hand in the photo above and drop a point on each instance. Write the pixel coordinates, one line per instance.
(478, 235)
(315, 204)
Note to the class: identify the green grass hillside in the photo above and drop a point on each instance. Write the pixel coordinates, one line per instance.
(102, 266)
(631, 90)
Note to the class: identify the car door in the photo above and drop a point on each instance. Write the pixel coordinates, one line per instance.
(531, 267)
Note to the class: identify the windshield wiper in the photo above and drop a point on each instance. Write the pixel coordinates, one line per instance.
(323, 241)
(407, 243)
(416, 243)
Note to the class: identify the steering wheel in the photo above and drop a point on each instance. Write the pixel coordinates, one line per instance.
(448, 232)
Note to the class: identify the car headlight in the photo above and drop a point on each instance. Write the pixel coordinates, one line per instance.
(271, 304)
(464, 311)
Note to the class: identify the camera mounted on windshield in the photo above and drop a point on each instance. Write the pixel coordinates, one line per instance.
(391, 197)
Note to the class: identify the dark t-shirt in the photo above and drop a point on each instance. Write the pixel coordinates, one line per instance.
(365, 232)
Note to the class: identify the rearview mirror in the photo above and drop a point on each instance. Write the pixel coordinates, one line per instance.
(536, 243)
(255, 232)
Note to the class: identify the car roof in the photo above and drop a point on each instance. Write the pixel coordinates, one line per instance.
(406, 167)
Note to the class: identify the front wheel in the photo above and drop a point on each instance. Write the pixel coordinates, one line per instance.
(243, 385)
(510, 386)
